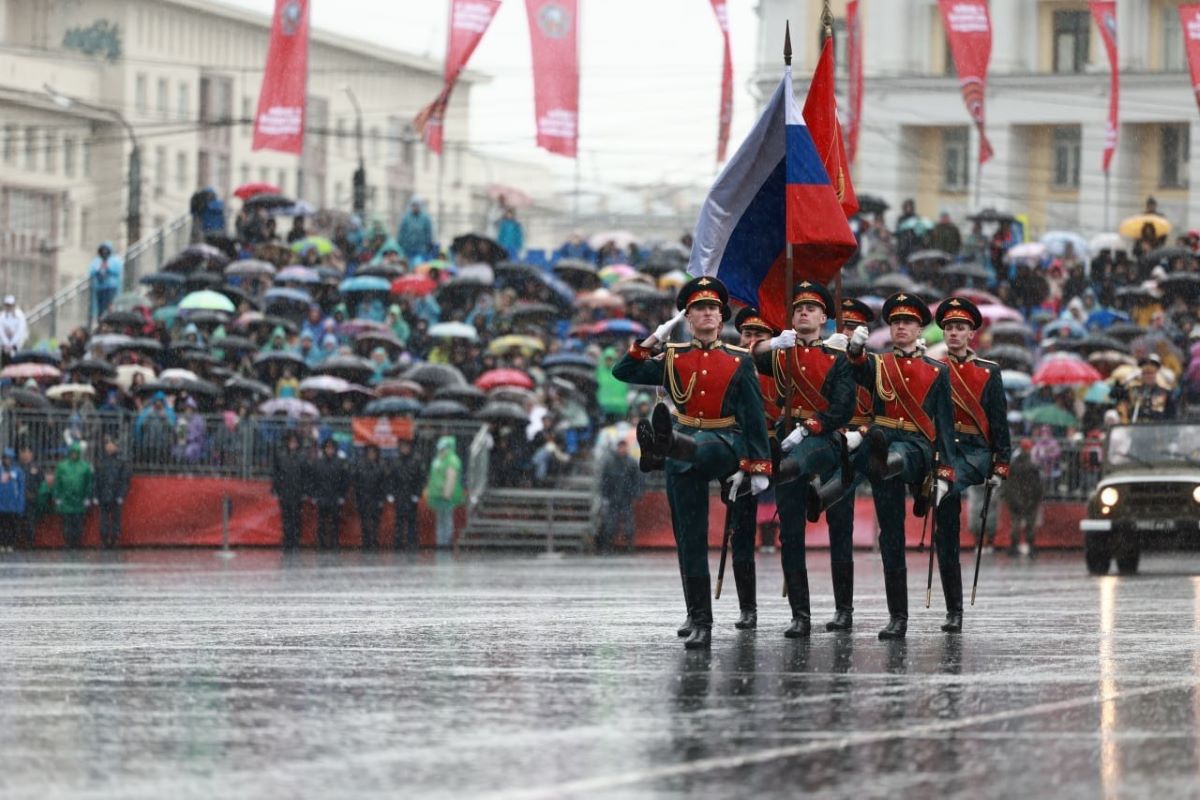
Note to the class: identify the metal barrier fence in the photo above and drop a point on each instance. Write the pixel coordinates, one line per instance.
(212, 445)
(71, 306)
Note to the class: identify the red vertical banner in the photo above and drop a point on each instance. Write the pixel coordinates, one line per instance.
(969, 29)
(469, 20)
(279, 121)
(554, 39)
(726, 116)
(821, 117)
(1104, 12)
(854, 95)
(1189, 23)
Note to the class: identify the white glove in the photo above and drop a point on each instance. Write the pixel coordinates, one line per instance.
(994, 481)
(735, 483)
(794, 438)
(921, 346)
(391, 498)
(838, 341)
(784, 340)
(759, 484)
(853, 440)
(858, 339)
(942, 489)
(663, 332)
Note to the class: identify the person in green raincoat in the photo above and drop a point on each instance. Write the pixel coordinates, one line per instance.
(611, 394)
(73, 494)
(444, 491)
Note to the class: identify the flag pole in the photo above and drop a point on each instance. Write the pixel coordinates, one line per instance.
(789, 266)
(827, 22)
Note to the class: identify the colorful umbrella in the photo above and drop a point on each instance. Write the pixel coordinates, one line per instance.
(413, 285)
(1065, 372)
(364, 283)
(526, 344)
(323, 246)
(1131, 227)
(247, 190)
(615, 272)
(298, 274)
(992, 314)
(1052, 415)
(207, 300)
(503, 377)
(1015, 381)
(22, 372)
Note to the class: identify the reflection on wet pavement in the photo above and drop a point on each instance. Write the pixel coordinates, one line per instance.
(178, 674)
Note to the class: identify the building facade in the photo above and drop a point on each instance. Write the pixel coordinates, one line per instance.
(1047, 107)
(185, 76)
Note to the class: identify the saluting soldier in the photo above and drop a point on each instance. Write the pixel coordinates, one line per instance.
(752, 329)
(716, 432)
(822, 402)
(913, 421)
(839, 517)
(1142, 399)
(981, 436)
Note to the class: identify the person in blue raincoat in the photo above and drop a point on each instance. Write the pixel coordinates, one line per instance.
(509, 234)
(12, 500)
(415, 234)
(105, 273)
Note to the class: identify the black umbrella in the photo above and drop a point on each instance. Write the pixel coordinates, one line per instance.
(392, 406)
(1013, 333)
(91, 368)
(434, 376)
(380, 270)
(511, 271)
(475, 248)
(461, 290)
(284, 358)
(584, 379)
(1185, 285)
(990, 215)
(234, 345)
(206, 320)
(237, 295)
(1124, 331)
(197, 256)
(268, 201)
(123, 319)
(197, 388)
(1094, 343)
(577, 360)
(929, 255)
(511, 394)
(1167, 254)
(167, 280)
(1011, 357)
(247, 387)
(468, 395)
(227, 245)
(502, 412)
(579, 275)
(444, 409)
(189, 355)
(369, 340)
(198, 281)
(352, 368)
(1129, 296)
(870, 204)
(35, 357)
(930, 294)
(634, 289)
(527, 313)
(966, 270)
(662, 261)
(26, 398)
(854, 284)
(140, 344)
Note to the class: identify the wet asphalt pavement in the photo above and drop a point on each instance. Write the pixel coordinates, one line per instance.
(178, 674)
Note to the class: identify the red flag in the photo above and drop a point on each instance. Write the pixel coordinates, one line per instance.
(722, 12)
(1105, 14)
(1189, 22)
(969, 29)
(279, 122)
(469, 20)
(820, 115)
(855, 90)
(553, 36)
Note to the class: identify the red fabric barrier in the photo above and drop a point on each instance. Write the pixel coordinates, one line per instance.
(1059, 527)
(186, 512)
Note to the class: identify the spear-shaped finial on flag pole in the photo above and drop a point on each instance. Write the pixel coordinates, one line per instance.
(827, 20)
(787, 44)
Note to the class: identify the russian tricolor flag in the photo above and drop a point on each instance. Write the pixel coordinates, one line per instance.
(773, 191)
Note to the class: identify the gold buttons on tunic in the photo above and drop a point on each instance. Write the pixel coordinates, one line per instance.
(703, 372)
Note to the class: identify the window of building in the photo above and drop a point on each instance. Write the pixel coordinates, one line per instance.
(139, 93)
(1072, 33)
(85, 228)
(10, 143)
(67, 213)
(51, 151)
(164, 98)
(68, 148)
(410, 138)
(31, 137)
(185, 100)
(955, 147)
(1066, 142)
(181, 171)
(1173, 58)
(160, 171)
(247, 116)
(264, 174)
(244, 173)
(1173, 156)
(86, 158)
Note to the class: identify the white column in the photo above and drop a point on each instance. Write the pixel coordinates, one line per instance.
(1008, 38)
(1091, 180)
(1192, 217)
(885, 35)
(1132, 34)
(996, 188)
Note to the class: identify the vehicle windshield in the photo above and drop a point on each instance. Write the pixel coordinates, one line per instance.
(1152, 445)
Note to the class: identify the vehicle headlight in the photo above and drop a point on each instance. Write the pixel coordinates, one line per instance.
(1196, 494)
(1109, 495)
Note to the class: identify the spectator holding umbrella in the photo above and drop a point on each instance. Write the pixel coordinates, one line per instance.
(12, 500)
(444, 492)
(73, 494)
(111, 485)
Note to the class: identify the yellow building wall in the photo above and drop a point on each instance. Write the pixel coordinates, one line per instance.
(1046, 11)
(929, 170)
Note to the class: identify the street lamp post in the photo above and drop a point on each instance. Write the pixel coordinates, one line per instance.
(360, 174)
(133, 221)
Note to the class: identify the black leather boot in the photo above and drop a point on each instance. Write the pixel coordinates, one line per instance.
(650, 460)
(686, 628)
(700, 591)
(797, 589)
(952, 589)
(744, 578)
(827, 494)
(812, 499)
(895, 585)
(877, 452)
(660, 423)
(681, 447)
(843, 597)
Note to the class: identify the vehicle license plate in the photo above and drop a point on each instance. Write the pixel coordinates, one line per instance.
(1154, 524)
